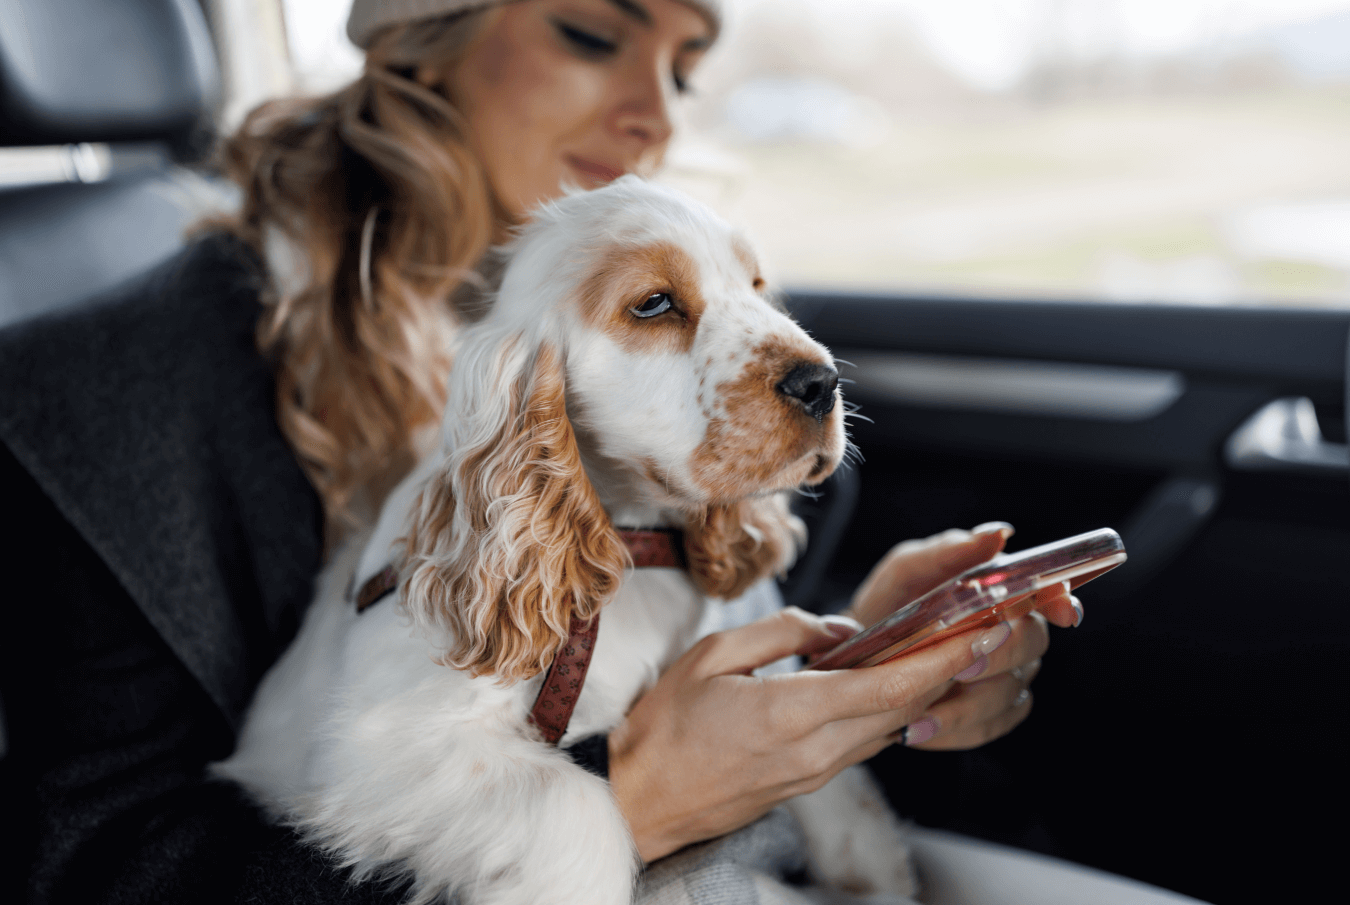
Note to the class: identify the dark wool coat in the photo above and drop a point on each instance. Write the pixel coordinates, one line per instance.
(162, 542)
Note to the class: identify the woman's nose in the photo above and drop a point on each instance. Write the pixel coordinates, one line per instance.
(644, 113)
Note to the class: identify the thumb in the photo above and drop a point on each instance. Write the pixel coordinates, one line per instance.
(787, 632)
(913, 568)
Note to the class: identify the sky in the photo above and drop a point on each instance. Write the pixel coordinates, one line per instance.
(989, 43)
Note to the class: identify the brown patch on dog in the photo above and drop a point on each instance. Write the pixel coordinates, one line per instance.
(748, 260)
(630, 275)
(731, 547)
(761, 432)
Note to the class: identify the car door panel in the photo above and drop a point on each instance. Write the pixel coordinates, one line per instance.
(1191, 705)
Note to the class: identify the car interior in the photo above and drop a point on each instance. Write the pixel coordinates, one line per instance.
(1185, 735)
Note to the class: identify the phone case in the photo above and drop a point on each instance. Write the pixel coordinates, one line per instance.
(985, 595)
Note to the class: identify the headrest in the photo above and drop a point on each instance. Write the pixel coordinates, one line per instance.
(103, 70)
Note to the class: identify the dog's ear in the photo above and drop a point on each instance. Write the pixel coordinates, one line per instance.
(732, 547)
(509, 540)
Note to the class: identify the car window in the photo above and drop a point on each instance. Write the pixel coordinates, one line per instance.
(321, 55)
(1188, 150)
(1131, 150)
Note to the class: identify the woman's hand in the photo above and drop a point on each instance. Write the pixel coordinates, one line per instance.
(710, 748)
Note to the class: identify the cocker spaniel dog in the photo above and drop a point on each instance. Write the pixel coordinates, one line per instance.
(631, 374)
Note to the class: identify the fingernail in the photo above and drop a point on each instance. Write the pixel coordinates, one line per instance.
(841, 627)
(991, 640)
(1022, 697)
(920, 732)
(972, 670)
(991, 527)
(1077, 610)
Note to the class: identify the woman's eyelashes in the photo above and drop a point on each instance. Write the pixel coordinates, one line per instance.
(588, 45)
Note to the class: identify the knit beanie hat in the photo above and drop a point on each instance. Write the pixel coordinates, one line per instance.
(368, 17)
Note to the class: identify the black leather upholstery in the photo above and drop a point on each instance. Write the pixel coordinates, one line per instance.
(827, 512)
(60, 244)
(100, 71)
(103, 70)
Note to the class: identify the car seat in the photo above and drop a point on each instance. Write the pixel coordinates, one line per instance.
(102, 106)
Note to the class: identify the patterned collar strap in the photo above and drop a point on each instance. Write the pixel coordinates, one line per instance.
(654, 547)
(558, 695)
(380, 586)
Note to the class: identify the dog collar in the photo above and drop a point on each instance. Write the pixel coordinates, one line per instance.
(558, 695)
(654, 547)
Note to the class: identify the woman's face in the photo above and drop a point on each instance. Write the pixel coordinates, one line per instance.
(573, 91)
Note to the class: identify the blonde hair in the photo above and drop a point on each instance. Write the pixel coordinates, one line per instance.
(377, 187)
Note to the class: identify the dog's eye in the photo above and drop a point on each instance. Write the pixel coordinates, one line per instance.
(656, 304)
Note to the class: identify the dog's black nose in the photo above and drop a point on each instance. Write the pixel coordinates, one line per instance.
(813, 386)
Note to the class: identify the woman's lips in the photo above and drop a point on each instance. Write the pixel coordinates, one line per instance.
(593, 169)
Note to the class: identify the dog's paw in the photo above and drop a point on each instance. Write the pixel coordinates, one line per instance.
(854, 842)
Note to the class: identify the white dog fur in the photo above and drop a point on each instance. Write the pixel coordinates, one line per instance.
(398, 739)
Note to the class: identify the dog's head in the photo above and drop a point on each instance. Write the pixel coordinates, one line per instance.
(633, 361)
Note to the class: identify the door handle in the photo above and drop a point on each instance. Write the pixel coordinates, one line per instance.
(1162, 525)
(1284, 436)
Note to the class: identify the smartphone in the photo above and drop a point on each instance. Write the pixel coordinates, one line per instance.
(983, 596)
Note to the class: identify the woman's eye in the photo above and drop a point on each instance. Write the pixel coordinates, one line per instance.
(587, 42)
(656, 304)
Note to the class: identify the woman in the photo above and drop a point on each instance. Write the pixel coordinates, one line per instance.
(476, 119)
(363, 213)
